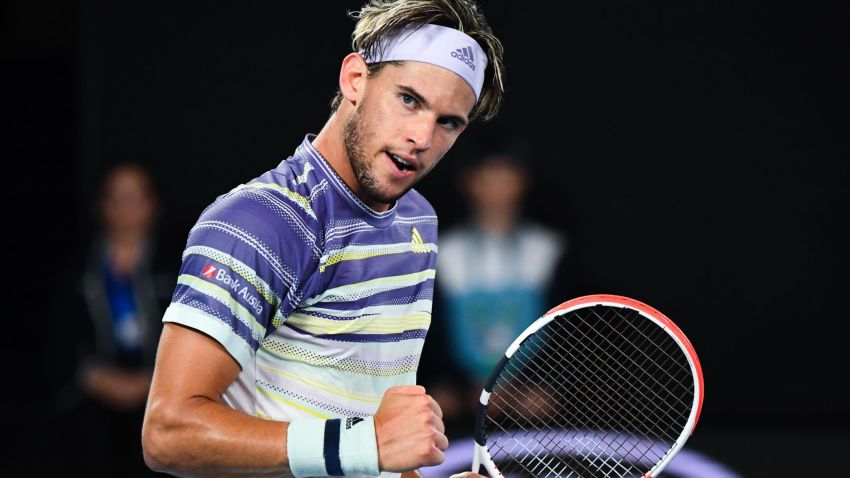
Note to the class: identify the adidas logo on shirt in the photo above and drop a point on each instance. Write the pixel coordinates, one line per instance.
(417, 245)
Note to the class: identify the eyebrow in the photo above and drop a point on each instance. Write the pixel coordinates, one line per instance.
(415, 94)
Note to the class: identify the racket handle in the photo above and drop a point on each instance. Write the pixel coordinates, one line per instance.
(476, 459)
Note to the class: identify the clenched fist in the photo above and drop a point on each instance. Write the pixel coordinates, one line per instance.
(409, 430)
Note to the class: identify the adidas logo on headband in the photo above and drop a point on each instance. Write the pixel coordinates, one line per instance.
(465, 55)
(429, 44)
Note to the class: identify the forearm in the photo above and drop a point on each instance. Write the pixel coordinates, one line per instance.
(206, 438)
(189, 432)
(118, 388)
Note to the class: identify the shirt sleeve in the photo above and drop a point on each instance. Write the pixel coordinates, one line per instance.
(239, 277)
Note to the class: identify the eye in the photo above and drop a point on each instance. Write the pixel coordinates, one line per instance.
(450, 123)
(408, 100)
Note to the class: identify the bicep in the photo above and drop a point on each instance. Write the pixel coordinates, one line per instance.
(188, 431)
(190, 365)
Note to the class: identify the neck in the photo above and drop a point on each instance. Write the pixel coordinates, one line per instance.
(124, 249)
(125, 239)
(496, 221)
(330, 143)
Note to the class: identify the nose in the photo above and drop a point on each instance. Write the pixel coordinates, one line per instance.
(421, 131)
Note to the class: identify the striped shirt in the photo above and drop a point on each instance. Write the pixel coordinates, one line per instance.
(323, 302)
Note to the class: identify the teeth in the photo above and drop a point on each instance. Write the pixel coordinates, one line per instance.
(402, 162)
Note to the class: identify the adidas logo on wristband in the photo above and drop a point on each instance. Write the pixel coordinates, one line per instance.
(327, 448)
(350, 422)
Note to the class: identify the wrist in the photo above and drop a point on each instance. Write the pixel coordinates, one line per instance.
(334, 447)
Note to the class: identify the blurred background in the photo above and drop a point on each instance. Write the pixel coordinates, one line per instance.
(690, 155)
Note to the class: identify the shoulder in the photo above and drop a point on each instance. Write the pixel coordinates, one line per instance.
(542, 240)
(538, 232)
(268, 220)
(414, 203)
(456, 236)
(415, 216)
(272, 203)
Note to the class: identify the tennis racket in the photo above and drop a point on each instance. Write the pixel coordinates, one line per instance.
(600, 386)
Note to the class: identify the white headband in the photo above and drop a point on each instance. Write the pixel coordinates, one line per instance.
(438, 45)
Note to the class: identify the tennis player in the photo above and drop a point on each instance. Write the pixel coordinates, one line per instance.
(304, 296)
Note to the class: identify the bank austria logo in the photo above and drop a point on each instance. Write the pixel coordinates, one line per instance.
(465, 55)
(208, 271)
(235, 285)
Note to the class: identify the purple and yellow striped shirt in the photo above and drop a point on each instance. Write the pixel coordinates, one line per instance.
(323, 302)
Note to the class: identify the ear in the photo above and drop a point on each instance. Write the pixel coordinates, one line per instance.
(352, 77)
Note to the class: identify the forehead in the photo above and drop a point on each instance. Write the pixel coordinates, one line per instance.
(125, 178)
(443, 89)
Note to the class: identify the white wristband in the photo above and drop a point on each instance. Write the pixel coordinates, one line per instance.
(335, 447)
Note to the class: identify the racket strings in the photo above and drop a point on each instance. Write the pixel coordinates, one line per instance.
(652, 338)
(638, 372)
(655, 336)
(592, 381)
(650, 412)
(594, 393)
(532, 456)
(595, 435)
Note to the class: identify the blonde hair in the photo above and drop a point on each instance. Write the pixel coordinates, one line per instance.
(380, 18)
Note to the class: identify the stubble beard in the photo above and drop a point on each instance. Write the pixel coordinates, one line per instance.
(355, 134)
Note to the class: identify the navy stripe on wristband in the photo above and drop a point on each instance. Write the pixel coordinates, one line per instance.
(332, 463)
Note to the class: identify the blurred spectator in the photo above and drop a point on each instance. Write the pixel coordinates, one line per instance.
(496, 274)
(103, 333)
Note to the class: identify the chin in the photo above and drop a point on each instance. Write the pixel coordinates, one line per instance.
(386, 196)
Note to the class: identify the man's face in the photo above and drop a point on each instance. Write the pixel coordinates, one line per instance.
(127, 205)
(496, 184)
(408, 117)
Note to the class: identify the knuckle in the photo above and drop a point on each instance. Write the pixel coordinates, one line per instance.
(437, 457)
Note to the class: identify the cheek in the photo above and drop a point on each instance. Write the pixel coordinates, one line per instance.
(444, 145)
(377, 110)
(374, 125)
(439, 153)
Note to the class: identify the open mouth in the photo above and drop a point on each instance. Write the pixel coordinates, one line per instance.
(401, 164)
